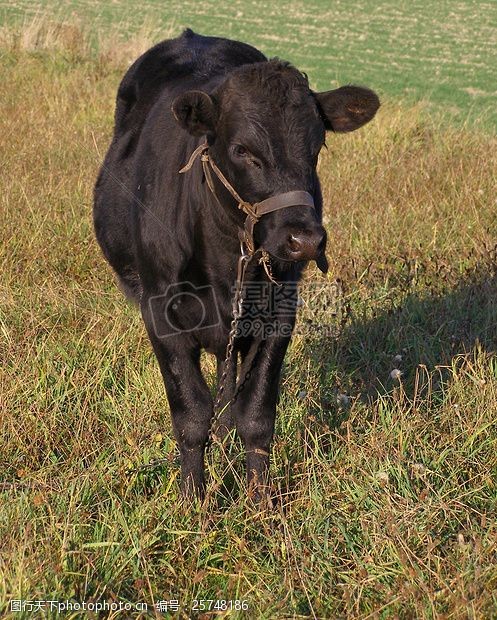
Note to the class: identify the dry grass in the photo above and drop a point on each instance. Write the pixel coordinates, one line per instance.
(73, 39)
(386, 488)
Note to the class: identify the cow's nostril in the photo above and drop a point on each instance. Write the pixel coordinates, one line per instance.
(294, 243)
(306, 245)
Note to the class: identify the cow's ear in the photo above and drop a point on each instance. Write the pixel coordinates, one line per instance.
(196, 112)
(347, 108)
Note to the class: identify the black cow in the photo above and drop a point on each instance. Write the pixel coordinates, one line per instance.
(174, 240)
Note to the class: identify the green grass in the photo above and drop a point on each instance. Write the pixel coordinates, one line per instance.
(386, 489)
(442, 52)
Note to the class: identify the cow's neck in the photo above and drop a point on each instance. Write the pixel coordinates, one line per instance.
(218, 227)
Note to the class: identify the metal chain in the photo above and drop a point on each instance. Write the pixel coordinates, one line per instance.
(237, 305)
(238, 389)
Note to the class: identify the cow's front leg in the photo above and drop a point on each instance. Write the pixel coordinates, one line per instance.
(189, 399)
(255, 408)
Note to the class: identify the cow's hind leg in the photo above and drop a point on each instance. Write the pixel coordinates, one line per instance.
(189, 399)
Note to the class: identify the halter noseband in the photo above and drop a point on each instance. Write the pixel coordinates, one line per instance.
(254, 211)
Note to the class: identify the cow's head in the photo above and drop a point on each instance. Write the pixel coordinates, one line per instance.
(265, 128)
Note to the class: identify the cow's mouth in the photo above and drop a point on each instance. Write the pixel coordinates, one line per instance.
(321, 260)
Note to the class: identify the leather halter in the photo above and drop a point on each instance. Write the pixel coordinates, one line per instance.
(254, 210)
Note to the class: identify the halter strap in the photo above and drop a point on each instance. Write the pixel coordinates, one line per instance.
(255, 211)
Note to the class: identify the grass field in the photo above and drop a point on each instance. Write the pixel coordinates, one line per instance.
(386, 487)
(443, 52)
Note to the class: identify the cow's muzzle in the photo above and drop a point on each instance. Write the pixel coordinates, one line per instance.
(306, 244)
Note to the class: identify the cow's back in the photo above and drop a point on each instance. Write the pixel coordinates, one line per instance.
(190, 59)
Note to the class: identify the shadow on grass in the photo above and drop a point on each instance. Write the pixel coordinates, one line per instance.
(417, 332)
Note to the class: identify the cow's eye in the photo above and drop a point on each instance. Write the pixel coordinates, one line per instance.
(240, 151)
